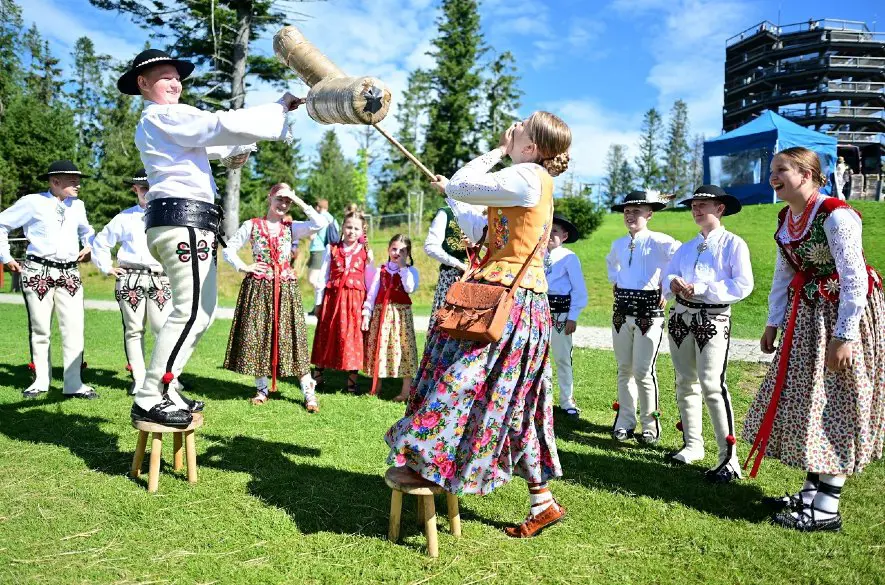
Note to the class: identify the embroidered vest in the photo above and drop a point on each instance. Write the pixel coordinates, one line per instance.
(513, 234)
(392, 286)
(453, 242)
(810, 255)
(261, 248)
(343, 276)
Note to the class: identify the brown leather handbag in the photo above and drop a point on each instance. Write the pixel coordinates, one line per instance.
(478, 312)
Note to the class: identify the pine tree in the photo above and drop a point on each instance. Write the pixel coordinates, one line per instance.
(10, 64)
(619, 176)
(331, 177)
(43, 77)
(85, 95)
(501, 98)
(696, 162)
(677, 178)
(452, 137)
(649, 173)
(275, 162)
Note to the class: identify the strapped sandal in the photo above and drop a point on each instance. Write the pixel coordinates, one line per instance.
(259, 398)
(312, 406)
(351, 384)
(807, 521)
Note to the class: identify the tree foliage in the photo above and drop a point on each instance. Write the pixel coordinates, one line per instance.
(649, 173)
(331, 176)
(618, 179)
(676, 172)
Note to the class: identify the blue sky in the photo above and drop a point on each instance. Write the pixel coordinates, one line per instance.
(598, 64)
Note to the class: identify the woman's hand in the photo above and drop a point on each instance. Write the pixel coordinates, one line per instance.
(570, 327)
(440, 184)
(838, 355)
(506, 142)
(256, 268)
(364, 326)
(118, 272)
(769, 336)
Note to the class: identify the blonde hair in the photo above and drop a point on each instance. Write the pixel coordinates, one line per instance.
(553, 138)
(805, 160)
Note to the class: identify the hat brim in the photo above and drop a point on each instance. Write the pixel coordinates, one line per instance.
(45, 176)
(732, 205)
(142, 182)
(573, 233)
(128, 82)
(655, 205)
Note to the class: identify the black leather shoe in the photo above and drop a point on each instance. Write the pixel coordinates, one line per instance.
(192, 405)
(806, 521)
(622, 435)
(721, 476)
(178, 419)
(784, 502)
(90, 394)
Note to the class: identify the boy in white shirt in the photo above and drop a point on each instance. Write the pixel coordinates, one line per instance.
(182, 221)
(567, 294)
(635, 266)
(707, 275)
(53, 223)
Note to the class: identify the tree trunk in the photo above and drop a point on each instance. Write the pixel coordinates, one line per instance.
(238, 97)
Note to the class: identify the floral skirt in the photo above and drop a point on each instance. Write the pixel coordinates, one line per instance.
(480, 413)
(447, 276)
(338, 340)
(250, 345)
(393, 340)
(827, 422)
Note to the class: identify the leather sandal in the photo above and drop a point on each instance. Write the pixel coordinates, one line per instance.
(312, 406)
(351, 384)
(259, 398)
(534, 525)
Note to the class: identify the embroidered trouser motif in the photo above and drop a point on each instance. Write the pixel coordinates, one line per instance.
(699, 342)
(561, 346)
(188, 259)
(636, 353)
(47, 289)
(143, 299)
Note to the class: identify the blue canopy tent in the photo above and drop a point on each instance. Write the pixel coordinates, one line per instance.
(738, 161)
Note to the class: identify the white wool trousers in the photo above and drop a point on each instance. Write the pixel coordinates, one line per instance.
(188, 257)
(699, 342)
(561, 346)
(49, 290)
(636, 353)
(145, 299)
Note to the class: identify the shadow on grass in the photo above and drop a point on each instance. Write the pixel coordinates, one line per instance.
(27, 420)
(648, 475)
(317, 498)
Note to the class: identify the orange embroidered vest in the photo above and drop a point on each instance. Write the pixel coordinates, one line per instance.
(513, 234)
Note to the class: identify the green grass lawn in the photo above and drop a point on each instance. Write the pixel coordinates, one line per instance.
(287, 497)
(755, 224)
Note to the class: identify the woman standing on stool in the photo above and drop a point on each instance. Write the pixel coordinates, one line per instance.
(483, 412)
(821, 406)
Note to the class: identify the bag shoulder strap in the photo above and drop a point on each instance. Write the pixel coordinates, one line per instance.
(546, 188)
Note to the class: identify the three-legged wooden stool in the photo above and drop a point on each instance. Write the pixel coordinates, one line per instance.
(402, 480)
(190, 449)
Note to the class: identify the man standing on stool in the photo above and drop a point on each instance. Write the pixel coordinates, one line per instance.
(182, 221)
(52, 222)
(707, 275)
(636, 264)
(142, 289)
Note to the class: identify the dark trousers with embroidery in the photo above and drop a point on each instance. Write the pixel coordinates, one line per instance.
(699, 342)
(144, 299)
(636, 343)
(188, 258)
(49, 290)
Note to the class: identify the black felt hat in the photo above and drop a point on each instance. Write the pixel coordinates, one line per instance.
(732, 205)
(62, 167)
(573, 233)
(128, 82)
(650, 198)
(139, 178)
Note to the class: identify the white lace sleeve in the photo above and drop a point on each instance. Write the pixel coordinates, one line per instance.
(780, 284)
(843, 229)
(513, 186)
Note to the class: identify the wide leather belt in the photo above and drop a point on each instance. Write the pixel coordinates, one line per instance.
(51, 263)
(637, 302)
(692, 305)
(175, 211)
(142, 271)
(560, 303)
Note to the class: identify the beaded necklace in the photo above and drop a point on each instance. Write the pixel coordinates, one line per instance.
(796, 227)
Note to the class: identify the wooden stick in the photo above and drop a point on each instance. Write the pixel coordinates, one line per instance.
(427, 172)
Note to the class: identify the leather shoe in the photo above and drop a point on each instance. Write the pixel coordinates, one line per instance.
(192, 405)
(806, 521)
(178, 419)
(721, 476)
(87, 394)
(534, 525)
(622, 435)
(647, 438)
(785, 502)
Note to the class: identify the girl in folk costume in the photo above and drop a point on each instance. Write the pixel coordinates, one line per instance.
(391, 351)
(482, 412)
(447, 244)
(338, 341)
(821, 406)
(268, 336)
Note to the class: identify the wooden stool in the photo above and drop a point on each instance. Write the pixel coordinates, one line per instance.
(405, 481)
(190, 448)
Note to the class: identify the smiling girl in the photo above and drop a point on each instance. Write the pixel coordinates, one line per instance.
(821, 407)
(268, 335)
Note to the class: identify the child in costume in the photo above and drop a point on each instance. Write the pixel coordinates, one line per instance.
(338, 342)
(567, 294)
(821, 406)
(268, 335)
(391, 351)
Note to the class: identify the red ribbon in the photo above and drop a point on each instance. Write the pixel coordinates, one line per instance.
(274, 248)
